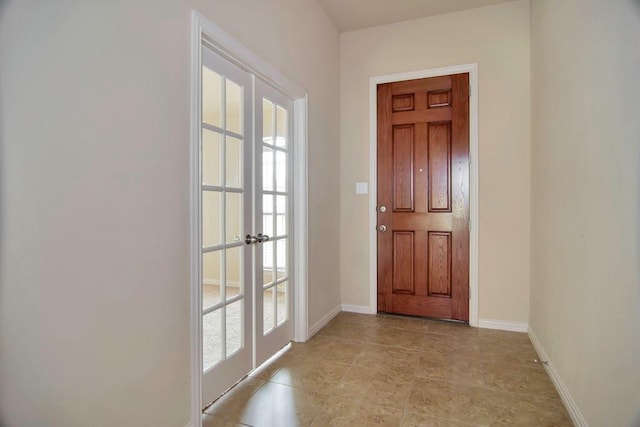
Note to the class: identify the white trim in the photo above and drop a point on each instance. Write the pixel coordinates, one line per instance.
(237, 53)
(323, 322)
(472, 69)
(194, 227)
(474, 201)
(571, 405)
(503, 325)
(300, 219)
(362, 309)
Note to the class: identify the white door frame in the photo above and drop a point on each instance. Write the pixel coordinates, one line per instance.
(222, 43)
(472, 69)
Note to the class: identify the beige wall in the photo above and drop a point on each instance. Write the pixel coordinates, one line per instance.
(497, 38)
(585, 301)
(94, 217)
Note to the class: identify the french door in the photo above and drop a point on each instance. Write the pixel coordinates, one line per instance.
(274, 325)
(245, 201)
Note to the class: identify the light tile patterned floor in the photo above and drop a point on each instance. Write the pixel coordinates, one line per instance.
(363, 370)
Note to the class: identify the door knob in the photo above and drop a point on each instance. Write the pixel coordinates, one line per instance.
(382, 209)
(262, 238)
(382, 228)
(249, 239)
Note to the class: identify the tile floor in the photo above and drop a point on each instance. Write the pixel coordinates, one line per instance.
(363, 370)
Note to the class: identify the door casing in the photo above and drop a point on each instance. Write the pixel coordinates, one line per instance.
(204, 31)
(472, 69)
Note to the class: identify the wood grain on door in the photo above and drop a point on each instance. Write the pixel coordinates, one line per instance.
(423, 184)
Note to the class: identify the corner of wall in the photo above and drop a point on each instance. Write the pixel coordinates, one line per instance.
(324, 320)
(568, 400)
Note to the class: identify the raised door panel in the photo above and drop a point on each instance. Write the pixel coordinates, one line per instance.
(439, 276)
(439, 136)
(439, 98)
(403, 262)
(403, 137)
(404, 102)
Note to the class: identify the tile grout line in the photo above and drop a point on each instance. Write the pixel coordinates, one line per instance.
(489, 388)
(370, 332)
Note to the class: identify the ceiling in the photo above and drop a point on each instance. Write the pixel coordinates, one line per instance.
(351, 15)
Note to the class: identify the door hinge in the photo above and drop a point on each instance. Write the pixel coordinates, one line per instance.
(469, 91)
(469, 292)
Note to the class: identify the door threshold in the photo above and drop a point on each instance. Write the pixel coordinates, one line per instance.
(433, 319)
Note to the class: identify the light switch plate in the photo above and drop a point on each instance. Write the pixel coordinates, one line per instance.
(362, 188)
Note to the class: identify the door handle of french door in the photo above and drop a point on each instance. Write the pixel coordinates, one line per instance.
(249, 239)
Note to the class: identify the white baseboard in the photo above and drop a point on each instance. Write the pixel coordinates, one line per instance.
(563, 391)
(503, 325)
(362, 309)
(322, 322)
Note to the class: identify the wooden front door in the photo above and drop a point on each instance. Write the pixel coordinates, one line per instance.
(423, 197)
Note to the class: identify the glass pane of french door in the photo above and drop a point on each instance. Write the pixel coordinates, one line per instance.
(226, 215)
(274, 326)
